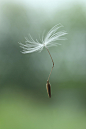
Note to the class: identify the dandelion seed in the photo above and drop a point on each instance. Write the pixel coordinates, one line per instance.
(49, 40)
(48, 87)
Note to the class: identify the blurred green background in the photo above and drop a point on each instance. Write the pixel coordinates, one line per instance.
(24, 103)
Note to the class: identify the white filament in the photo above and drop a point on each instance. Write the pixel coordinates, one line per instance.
(48, 41)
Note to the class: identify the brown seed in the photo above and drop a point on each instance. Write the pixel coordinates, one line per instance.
(48, 87)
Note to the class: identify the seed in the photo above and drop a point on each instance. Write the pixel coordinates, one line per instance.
(48, 87)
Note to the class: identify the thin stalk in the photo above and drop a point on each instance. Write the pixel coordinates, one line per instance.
(52, 62)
